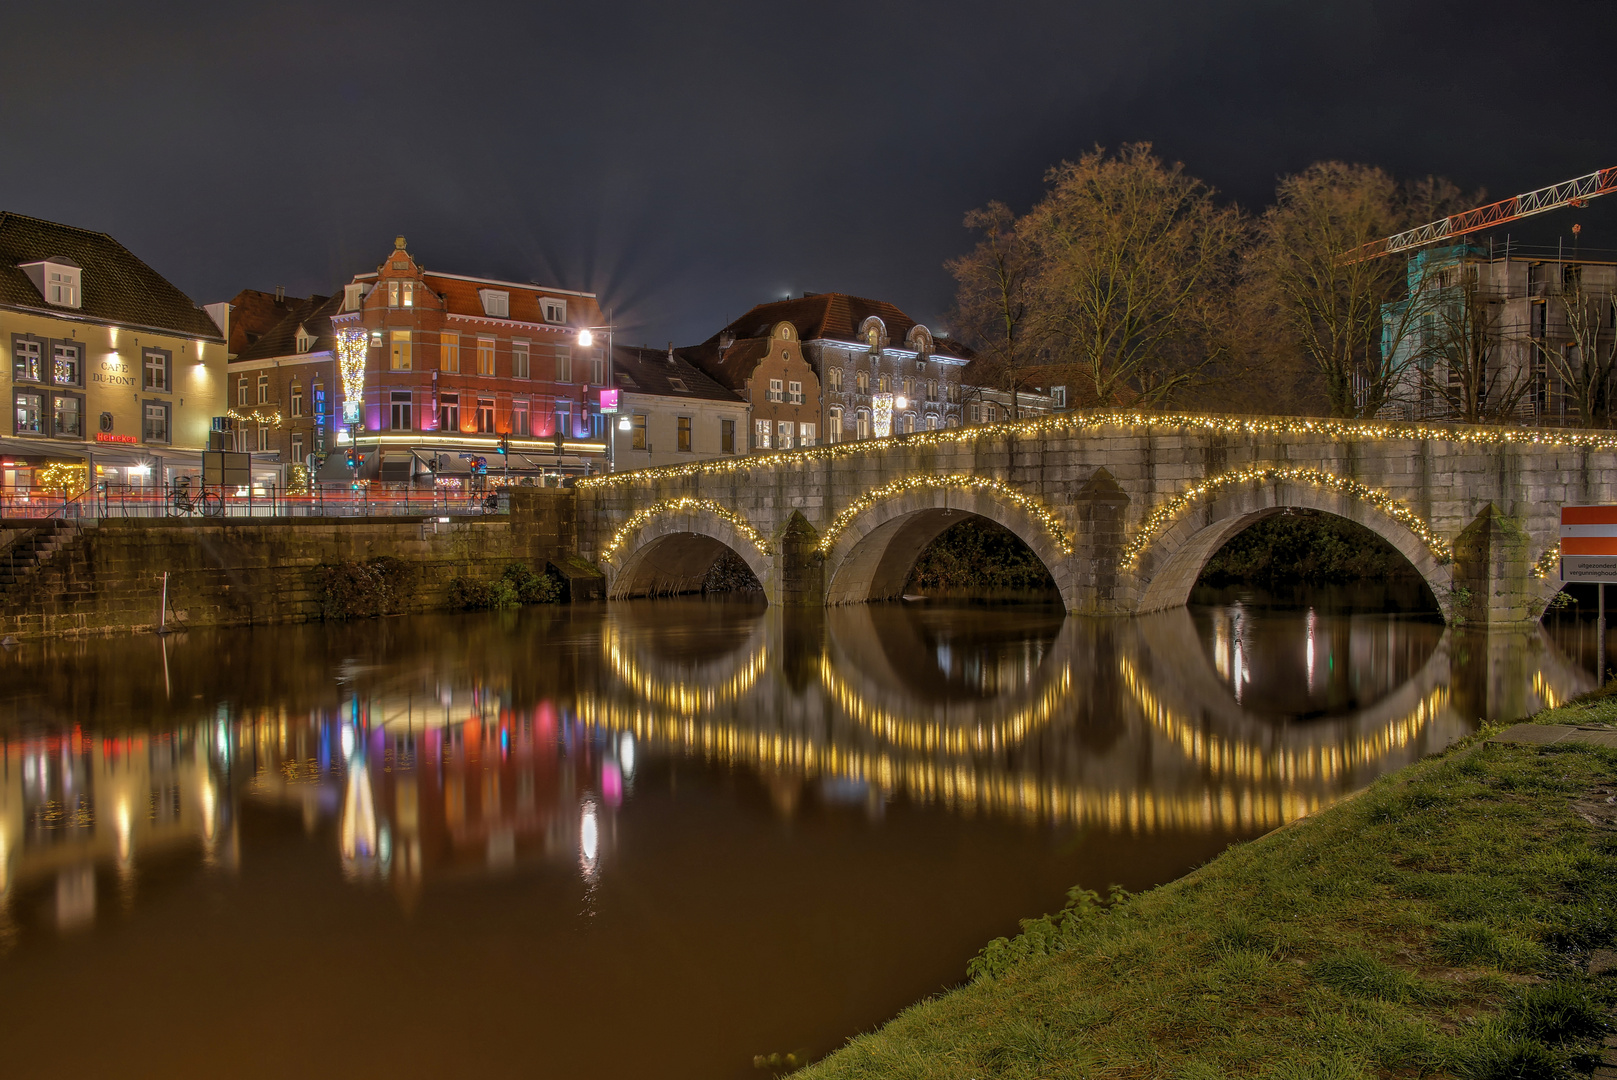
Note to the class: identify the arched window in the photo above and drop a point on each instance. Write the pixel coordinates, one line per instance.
(861, 424)
(907, 425)
(833, 431)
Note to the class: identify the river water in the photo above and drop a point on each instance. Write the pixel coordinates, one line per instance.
(655, 838)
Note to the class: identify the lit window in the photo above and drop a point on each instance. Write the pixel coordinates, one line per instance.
(62, 287)
(833, 427)
(884, 384)
(67, 415)
(485, 356)
(27, 366)
(637, 431)
(805, 435)
(861, 381)
(449, 353)
(263, 389)
(783, 432)
(833, 378)
(761, 435)
(519, 360)
(909, 386)
(408, 299)
(684, 429)
(29, 408)
(392, 294)
(555, 310)
(65, 367)
(496, 303)
(400, 359)
(155, 365)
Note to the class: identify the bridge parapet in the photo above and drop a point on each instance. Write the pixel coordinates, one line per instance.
(1124, 508)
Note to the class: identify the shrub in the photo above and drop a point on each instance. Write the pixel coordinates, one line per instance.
(517, 585)
(531, 587)
(359, 590)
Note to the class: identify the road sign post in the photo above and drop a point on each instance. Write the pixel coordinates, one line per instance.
(1589, 555)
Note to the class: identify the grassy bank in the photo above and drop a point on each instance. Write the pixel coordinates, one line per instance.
(1440, 924)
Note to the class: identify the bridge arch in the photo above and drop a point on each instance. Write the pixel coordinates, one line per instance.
(871, 547)
(1169, 563)
(669, 548)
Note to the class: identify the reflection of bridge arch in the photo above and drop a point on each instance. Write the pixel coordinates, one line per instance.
(871, 546)
(669, 547)
(1168, 555)
(707, 687)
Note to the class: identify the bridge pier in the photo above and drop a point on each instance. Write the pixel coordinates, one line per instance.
(800, 568)
(1493, 582)
(1102, 507)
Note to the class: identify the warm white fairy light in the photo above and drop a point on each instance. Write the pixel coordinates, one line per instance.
(1154, 523)
(684, 506)
(1077, 423)
(961, 482)
(353, 349)
(1547, 562)
(269, 417)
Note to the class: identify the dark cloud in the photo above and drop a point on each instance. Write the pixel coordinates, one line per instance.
(689, 161)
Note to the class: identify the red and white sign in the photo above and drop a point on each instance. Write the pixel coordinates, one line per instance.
(107, 436)
(1589, 543)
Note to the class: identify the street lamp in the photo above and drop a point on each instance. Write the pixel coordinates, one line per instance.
(586, 340)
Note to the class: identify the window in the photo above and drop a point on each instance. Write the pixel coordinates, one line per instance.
(598, 369)
(931, 422)
(678, 384)
(400, 418)
(263, 389)
(861, 381)
(932, 389)
(683, 426)
(297, 400)
(67, 415)
(727, 436)
(805, 435)
(30, 405)
(909, 386)
(794, 393)
(564, 363)
(989, 412)
(27, 364)
(485, 356)
(263, 438)
(155, 364)
(637, 431)
(760, 435)
(519, 418)
(408, 299)
(67, 368)
(448, 412)
(305, 340)
(783, 432)
(485, 416)
(449, 353)
(974, 413)
(833, 427)
(775, 392)
(61, 286)
(884, 384)
(352, 294)
(496, 303)
(297, 446)
(564, 419)
(519, 360)
(400, 359)
(873, 339)
(392, 294)
(555, 310)
(1058, 397)
(906, 424)
(155, 426)
(861, 425)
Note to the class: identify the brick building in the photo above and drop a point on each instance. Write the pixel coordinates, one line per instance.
(282, 388)
(456, 363)
(874, 370)
(671, 411)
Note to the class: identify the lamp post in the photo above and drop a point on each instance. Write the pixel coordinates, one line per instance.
(586, 339)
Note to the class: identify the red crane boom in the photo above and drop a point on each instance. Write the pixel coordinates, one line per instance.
(1567, 193)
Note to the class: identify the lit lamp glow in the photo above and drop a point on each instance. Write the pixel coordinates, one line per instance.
(586, 338)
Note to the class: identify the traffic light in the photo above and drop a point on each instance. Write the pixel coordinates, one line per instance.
(480, 466)
(505, 445)
(353, 459)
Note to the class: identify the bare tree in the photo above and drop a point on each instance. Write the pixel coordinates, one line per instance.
(1586, 364)
(1459, 355)
(1335, 311)
(1134, 264)
(993, 297)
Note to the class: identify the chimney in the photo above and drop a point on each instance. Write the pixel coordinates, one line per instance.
(670, 354)
(726, 339)
(280, 294)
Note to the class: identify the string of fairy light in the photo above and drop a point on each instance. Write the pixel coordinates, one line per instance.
(1157, 521)
(1078, 423)
(353, 348)
(686, 505)
(1547, 562)
(1031, 506)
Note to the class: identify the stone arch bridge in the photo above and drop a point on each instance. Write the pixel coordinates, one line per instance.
(1124, 509)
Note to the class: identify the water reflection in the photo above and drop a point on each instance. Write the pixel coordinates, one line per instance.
(469, 751)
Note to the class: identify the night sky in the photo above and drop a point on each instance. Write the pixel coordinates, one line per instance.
(688, 161)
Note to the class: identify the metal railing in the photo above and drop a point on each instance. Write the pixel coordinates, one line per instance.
(107, 500)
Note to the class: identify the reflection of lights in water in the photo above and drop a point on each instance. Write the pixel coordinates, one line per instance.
(1546, 693)
(347, 743)
(589, 841)
(626, 755)
(210, 807)
(1310, 650)
(357, 834)
(679, 696)
(611, 783)
(123, 825)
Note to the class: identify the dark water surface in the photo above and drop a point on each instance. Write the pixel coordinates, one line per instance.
(651, 839)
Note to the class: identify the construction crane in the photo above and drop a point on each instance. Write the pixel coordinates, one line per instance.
(1567, 193)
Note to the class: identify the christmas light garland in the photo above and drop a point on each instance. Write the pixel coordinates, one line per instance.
(63, 478)
(271, 418)
(1073, 423)
(958, 481)
(686, 505)
(1547, 562)
(353, 348)
(1152, 527)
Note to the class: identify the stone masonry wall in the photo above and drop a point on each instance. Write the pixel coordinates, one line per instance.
(248, 571)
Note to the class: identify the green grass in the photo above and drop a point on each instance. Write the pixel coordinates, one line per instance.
(1438, 924)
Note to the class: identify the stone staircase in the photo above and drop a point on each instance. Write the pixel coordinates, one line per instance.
(22, 559)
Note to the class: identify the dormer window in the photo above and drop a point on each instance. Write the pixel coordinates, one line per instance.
(678, 384)
(57, 280)
(305, 340)
(555, 310)
(352, 295)
(496, 303)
